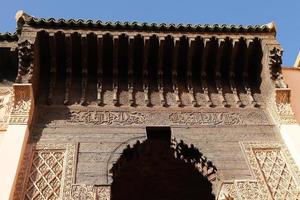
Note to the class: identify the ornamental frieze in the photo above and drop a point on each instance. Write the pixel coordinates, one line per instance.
(107, 118)
(94, 117)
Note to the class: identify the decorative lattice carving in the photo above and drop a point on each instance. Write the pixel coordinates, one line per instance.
(45, 177)
(276, 175)
(48, 174)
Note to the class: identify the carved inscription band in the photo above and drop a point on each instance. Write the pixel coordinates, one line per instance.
(142, 118)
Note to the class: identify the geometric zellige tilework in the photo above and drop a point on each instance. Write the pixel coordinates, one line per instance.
(45, 176)
(277, 174)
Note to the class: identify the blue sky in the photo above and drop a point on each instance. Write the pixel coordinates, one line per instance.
(286, 14)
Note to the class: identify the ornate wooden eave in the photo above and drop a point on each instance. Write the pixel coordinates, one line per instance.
(132, 64)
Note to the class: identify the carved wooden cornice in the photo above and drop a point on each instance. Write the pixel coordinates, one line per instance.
(131, 64)
(182, 66)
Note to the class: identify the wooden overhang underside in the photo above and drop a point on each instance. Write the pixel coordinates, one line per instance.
(132, 57)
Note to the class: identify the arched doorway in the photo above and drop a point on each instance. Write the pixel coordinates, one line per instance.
(158, 169)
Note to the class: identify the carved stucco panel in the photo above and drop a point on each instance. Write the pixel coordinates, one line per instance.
(23, 104)
(276, 175)
(227, 190)
(274, 169)
(6, 102)
(47, 173)
(241, 190)
(249, 190)
(89, 192)
(283, 106)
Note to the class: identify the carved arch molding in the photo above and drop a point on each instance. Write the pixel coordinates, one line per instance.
(48, 172)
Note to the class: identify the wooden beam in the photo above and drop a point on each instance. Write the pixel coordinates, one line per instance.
(84, 64)
(245, 76)
(116, 70)
(235, 44)
(190, 56)
(53, 66)
(203, 73)
(160, 75)
(175, 71)
(100, 70)
(218, 74)
(69, 65)
(131, 46)
(145, 71)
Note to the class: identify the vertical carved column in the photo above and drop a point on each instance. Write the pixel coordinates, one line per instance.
(99, 70)
(145, 71)
(69, 58)
(160, 80)
(235, 43)
(203, 72)
(84, 63)
(53, 66)
(218, 76)
(191, 47)
(26, 57)
(131, 45)
(115, 70)
(174, 71)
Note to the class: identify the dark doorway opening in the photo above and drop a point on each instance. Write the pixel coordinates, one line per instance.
(152, 171)
(158, 133)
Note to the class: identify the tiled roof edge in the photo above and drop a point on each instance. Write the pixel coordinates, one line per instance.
(8, 36)
(23, 18)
